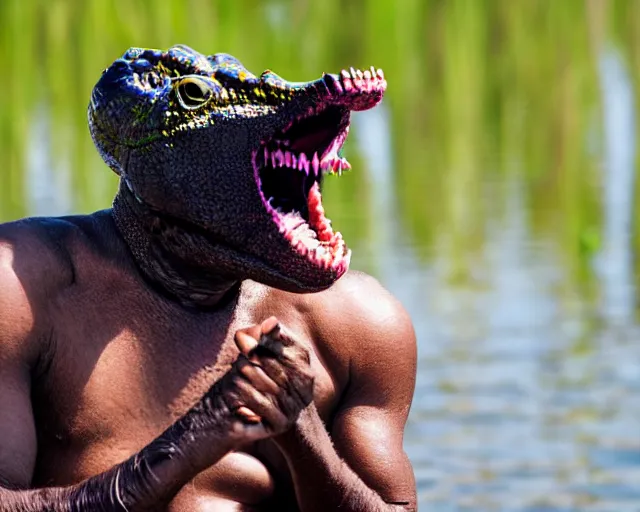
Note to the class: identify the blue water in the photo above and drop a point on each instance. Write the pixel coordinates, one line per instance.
(528, 392)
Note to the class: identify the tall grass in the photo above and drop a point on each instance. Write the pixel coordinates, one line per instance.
(480, 92)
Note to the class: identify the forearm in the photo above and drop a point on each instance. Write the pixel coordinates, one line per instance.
(322, 480)
(146, 481)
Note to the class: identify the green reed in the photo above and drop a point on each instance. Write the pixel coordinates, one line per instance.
(481, 93)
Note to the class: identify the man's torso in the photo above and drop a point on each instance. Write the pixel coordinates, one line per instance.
(121, 363)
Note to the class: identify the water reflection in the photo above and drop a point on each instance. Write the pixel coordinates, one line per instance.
(47, 184)
(616, 265)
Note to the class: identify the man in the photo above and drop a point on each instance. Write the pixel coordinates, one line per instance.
(200, 346)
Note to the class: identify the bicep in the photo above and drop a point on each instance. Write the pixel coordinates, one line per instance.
(17, 431)
(369, 426)
(370, 441)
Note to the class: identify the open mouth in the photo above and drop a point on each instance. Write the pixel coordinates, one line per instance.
(290, 166)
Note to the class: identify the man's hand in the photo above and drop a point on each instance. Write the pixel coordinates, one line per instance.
(269, 385)
(356, 462)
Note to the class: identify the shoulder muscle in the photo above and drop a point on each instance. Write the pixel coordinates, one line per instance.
(33, 268)
(375, 332)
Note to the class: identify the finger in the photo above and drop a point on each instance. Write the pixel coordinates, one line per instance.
(268, 347)
(247, 415)
(260, 404)
(271, 367)
(269, 325)
(278, 334)
(245, 342)
(283, 347)
(256, 376)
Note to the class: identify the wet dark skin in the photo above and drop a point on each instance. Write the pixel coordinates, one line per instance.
(120, 390)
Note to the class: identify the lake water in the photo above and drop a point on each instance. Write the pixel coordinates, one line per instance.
(493, 192)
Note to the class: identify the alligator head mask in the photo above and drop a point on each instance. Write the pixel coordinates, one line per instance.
(225, 167)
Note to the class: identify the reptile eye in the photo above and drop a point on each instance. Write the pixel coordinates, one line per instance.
(194, 92)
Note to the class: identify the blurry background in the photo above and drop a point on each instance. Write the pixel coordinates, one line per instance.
(493, 192)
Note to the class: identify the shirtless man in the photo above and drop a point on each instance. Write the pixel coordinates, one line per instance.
(200, 346)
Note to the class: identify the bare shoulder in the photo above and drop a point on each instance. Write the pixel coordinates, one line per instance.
(359, 320)
(35, 248)
(364, 312)
(34, 267)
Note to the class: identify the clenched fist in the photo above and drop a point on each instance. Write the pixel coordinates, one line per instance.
(267, 386)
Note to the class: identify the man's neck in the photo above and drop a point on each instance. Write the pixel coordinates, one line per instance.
(152, 244)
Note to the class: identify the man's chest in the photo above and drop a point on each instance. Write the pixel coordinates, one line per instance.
(112, 387)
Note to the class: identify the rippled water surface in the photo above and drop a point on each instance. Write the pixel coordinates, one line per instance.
(494, 192)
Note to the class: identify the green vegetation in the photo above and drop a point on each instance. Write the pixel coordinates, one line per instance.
(482, 94)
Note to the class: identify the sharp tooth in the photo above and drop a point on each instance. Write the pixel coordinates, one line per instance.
(303, 163)
(347, 257)
(287, 159)
(324, 229)
(315, 163)
(302, 248)
(266, 155)
(273, 159)
(280, 157)
(294, 161)
(345, 73)
(373, 71)
(353, 72)
(380, 74)
(360, 74)
(345, 164)
(329, 167)
(367, 74)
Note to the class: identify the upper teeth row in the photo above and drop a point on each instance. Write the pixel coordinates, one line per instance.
(363, 75)
(302, 162)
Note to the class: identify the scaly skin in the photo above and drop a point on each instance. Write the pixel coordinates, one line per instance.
(225, 166)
